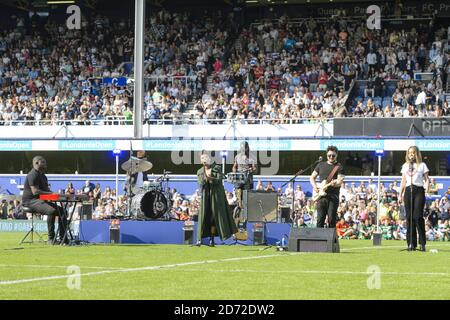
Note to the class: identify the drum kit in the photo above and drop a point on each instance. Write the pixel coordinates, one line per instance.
(151, 200)
(239, 179)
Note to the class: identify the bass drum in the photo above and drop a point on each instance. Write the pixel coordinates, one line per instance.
(149, 205)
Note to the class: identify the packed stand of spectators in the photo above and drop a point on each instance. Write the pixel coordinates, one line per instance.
(187, 50)
(304, 70)
(390, 91)
(278, 70)
(51, 75)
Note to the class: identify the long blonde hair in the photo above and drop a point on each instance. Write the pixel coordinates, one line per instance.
(418, 155)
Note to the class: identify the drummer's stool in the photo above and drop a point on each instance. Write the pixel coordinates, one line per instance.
(31, 232)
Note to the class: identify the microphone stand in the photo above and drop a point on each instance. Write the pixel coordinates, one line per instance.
(129, 174)
(267, 246)
(295, 177)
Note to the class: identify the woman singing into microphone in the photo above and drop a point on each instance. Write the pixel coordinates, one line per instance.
(214, 215)
(414, 184)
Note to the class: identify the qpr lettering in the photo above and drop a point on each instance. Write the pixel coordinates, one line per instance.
(437, 127)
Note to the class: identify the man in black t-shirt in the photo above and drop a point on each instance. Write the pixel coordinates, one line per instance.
(244, 162)
(328, 204)
(36, 184)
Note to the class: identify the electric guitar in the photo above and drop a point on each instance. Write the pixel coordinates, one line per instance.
(322, 190)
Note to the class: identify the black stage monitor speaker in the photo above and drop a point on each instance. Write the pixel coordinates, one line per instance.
(258, 234)
(313, 240)
(285, 215)
(188, 236)
(86, 211)
(260, 206)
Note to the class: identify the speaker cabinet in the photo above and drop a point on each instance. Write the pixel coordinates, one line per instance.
(285, 213)
(258, 234)
(260, 206)
(86, 211)
(313, 240)
(188, 236)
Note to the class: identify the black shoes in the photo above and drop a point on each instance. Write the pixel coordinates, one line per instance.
(422, 248)
(52, 241)
(211, 243)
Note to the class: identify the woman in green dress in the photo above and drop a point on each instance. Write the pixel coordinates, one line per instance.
(214, 216)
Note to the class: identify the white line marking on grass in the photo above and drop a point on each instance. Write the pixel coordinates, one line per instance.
(10, 282)
(117, 270)
(440, 274)
(51, 266)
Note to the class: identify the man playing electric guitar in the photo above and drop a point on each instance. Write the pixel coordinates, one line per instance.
(331, 173)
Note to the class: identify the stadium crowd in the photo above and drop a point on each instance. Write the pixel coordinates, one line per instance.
(288, 70)
(357, 213)
(284, 70)
(50, 75)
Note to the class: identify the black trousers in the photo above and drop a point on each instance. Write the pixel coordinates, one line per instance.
(416, 222)
(327, 206)
(51, 210)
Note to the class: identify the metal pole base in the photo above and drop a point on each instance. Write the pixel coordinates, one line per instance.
(377, 238)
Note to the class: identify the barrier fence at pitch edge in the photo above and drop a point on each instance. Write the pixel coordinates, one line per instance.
(274, 144)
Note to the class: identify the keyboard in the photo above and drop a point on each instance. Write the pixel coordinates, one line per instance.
(64, 197)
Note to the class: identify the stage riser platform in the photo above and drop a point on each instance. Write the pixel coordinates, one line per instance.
(167, 232)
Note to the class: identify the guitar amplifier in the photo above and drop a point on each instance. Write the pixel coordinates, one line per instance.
(260, 206)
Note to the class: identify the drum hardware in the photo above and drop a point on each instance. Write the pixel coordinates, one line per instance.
(152, 200)
(134, 165)
(240, 178)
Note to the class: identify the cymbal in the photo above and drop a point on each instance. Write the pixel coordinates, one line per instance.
(136, 165)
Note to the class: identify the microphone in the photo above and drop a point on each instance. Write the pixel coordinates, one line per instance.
(411, 166)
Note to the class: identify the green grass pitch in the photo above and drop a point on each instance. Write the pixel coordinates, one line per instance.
(182, 272)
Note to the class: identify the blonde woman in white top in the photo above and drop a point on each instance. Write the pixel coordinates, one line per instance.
(414, 185)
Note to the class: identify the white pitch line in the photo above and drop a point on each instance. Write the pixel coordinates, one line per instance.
(52, 266)
(344, 272)
(116, 270)
(10, 282)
